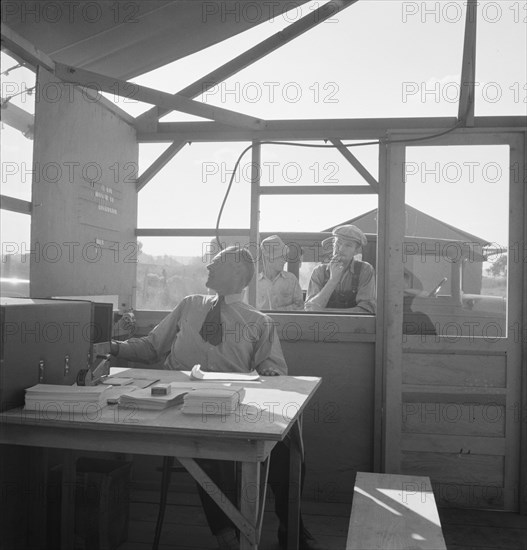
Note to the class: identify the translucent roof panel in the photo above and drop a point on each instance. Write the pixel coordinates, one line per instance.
(374, 59)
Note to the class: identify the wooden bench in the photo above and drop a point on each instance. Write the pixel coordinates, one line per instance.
(394, 512)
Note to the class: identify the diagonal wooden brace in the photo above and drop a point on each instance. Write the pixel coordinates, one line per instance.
(247, 529)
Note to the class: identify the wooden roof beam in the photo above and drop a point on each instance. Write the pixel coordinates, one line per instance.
(172, 102)
(23, 49)
(322, 129)
(18, 118)
(15, 205)
(296, 130)
(354, 161)
(186, 232)
(316, 190)
(468, 69)
(247, 58)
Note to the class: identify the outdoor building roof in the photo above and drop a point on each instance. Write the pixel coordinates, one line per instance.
(418, 224)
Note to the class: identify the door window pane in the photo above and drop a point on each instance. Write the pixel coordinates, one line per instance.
(456, 240)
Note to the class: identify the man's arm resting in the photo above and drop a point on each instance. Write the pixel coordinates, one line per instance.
(114, 348)
(268, 358)
(319, 301)
(134, 349)
(268, 372)
(153, 347)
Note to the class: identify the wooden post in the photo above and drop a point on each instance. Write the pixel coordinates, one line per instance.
(390, 296)
(249, 500)
(520, 156)
(255, 215)
(455, 283)
(379, 397)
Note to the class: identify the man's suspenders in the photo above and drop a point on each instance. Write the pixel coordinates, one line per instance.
(347, 298)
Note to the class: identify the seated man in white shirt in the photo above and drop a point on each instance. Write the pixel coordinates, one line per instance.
(345, 283)
(224, 334)
(277, 289)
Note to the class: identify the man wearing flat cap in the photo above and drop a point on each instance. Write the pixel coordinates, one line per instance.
(277, 289)
(343, 284)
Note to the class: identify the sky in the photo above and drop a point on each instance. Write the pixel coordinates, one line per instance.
(378, 58)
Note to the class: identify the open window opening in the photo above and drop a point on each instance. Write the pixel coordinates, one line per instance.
(457, 249)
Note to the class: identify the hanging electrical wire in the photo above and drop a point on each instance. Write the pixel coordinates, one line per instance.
(29, 91)
(381, 141)
(8, 70)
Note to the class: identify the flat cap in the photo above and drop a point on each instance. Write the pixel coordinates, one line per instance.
(349, 233)
(274, 247)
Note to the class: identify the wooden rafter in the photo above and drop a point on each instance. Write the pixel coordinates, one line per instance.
(134, 91)
(317, 190)
(23, 49)
(468, 70)
(299, 130)
(354, 161)
(18, 118)
(164, 158)
(186, 232)
(15, 205)
(250, 56)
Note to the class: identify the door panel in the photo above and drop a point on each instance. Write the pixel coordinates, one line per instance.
(459, 390)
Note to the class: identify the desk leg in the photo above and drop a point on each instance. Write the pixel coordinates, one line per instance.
(250, 500)
(69, 479)
(246, 518)
(36, 495)
(295, 474)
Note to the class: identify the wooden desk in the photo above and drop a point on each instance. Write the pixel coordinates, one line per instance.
(394, 512)
(270, 410)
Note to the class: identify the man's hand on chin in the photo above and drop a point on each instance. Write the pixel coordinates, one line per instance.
(269, 372)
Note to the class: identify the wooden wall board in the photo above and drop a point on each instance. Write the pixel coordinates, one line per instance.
(454, 419)
(83, 191)
(455, 370)
(455, 467)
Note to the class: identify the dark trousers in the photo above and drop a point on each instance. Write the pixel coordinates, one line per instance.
(223, 473)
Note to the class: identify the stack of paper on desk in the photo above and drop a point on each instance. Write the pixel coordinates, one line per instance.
(143, 399)
(212, 401)
(199, 374)
(69, 398)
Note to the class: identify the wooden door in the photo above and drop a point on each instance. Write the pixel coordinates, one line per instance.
(450, 404)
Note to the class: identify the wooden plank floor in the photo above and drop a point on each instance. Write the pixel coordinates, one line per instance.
(185, 527)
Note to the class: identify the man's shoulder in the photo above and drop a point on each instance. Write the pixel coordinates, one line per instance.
(252, 312)
(196, 299)
(288, 276)
(364, 265)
